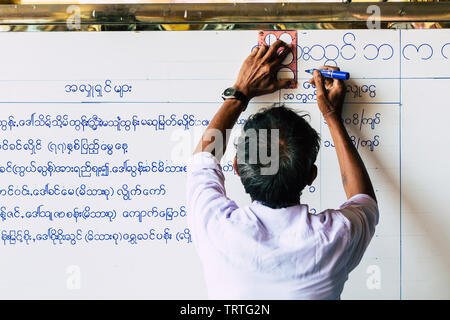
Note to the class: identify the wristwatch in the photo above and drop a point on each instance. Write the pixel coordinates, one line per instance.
(233, 93)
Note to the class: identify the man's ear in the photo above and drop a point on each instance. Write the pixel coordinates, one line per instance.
(313, 174)
(235, 166)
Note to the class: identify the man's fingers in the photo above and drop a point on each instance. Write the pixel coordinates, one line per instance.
(272, 52)
(261, 51)
(320, 85)
(254, 51)
(330, 82)
(338, 83)
(280, 58)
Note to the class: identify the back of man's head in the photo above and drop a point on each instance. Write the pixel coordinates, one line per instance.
(294, 153)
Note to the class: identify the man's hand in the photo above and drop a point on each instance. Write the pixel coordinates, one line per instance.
(330, 93)
(258, 74)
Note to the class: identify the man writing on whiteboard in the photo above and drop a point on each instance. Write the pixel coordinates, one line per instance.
(274, 248)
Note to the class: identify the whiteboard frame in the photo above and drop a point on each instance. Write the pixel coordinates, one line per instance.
(317, 15)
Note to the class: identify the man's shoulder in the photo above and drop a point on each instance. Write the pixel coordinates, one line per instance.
(329, 221)
(360, 208)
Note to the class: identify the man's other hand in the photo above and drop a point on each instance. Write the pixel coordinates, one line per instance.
(330, 93)
(258, 74)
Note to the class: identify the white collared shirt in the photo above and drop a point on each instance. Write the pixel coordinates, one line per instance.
(256, 252)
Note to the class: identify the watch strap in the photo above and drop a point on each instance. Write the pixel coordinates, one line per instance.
(240, 96)
(237, 95)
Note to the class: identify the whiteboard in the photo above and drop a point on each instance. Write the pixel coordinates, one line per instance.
(96, 129)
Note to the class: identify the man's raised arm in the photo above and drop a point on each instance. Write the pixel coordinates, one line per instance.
(258, 76)
(330, 97)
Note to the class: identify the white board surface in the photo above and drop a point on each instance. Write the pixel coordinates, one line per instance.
(112, 117)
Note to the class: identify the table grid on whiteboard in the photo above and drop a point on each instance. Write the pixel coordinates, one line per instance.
(22, 91)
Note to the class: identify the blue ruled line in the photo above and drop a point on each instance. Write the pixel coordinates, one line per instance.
(188, 102)
(210, 79)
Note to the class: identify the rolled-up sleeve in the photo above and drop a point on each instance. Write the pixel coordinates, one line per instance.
(206, 199)
(361, 216)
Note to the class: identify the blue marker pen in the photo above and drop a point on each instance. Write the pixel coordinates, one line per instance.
(331, 74)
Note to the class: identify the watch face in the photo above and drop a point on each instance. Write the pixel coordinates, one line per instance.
(229, 92)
